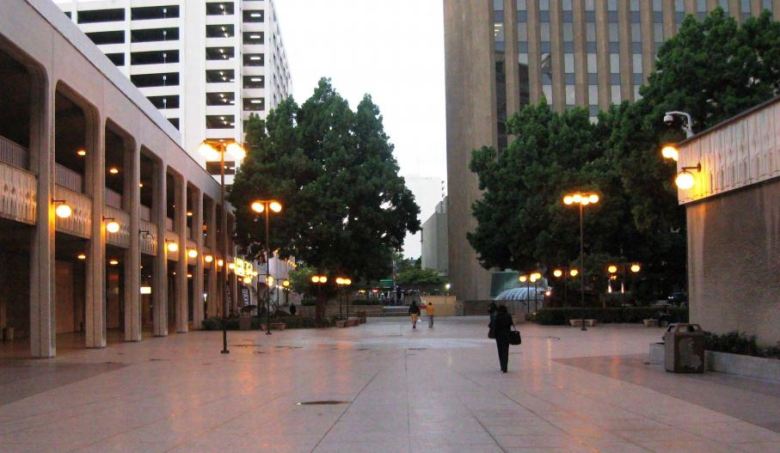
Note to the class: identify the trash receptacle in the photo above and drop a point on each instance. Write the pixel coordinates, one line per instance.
(684, 348)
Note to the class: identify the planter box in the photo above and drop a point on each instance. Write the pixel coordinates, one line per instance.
(743, 365)
(245, 323)
(278, 326)
(341, 323)
(724, 362)
(578, 322)
(651, 322)
(352, 322)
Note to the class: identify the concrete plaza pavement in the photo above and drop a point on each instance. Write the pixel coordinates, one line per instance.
(395, 389)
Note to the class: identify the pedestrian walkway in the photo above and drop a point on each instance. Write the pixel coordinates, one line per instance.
(381, 387)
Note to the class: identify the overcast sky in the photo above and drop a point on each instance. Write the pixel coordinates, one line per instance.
(391, 49)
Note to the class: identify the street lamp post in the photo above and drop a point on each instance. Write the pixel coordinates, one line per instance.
(260, 207)
(622, 269)
(535, 277)
(213, 150)
(343, 282)
(319, 280)
(524, 279)
(581, 199)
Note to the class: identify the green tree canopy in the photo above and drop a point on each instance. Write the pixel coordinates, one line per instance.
(345, 206)
(712, 69)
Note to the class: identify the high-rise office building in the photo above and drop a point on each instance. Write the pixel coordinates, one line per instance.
(206, 65)
(502, 54)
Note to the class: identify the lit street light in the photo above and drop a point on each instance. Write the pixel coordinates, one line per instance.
(581, 199)
(266, 207)
(215, 150)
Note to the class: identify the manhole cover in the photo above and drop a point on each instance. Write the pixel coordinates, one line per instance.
(321, 403)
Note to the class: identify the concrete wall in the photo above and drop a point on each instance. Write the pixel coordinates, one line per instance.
(734, 261)
(434, 241)
(471, 123)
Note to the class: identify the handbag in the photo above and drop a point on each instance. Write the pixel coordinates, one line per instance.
(514, 337)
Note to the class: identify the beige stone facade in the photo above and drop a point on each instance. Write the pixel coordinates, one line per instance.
(733, 213)
(74, 131)
(501, 54)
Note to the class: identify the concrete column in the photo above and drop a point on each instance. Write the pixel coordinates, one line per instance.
(132, 272)
(510, 60)
(580, 54)
(534, 54)
(626, 64)
(602, 55)
(776, 9)
(232, 274)
(197, 282)
(213, 297)
(42, 289)
(180, 225)
(735, 10)
(669, 14)
(556, 57)
(95, 312)
(648, 39)
(160, 275)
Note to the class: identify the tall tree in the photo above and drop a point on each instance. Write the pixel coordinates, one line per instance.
(345, 206)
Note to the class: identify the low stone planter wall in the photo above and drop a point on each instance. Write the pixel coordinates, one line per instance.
(578, 322)
(332, 310)
(724, 362)
(743, 365)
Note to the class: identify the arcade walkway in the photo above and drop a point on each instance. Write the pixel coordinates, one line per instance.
(394, 390)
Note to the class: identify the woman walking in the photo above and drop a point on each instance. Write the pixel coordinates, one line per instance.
(414, 313)
(501, 326)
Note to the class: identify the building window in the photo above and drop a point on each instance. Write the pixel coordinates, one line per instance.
(254, 37)
(767, 5)
(636, 33)
(658, 6)
(590, 32)
(544, 5)
(568, 31)
(614, 63)
(614, 35)
(637, 96)
(590, 5)
(254, 104)
(107, 37)
(219, 9)
(567, 5)
(568, 63)
(220, 31)
(155, 80)
(593, 94)
(154, 57)
(165, 102)
(174, 122)
(220, 121)
(254, 16)
(220, 76)
(101, 15)
(658, 33)
(636, 63)
(612, 5)
(154, 12)
(154, 34)
(724, 5)
(254, 82)
(254, 59)
(219, 53)
(615, 92)
(223, 98)
(547, 91)
(117, 58)
(570, 95)
(544, 31)
(679, 6)
(592, 63)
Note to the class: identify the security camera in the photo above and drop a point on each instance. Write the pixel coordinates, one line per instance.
(668, 119)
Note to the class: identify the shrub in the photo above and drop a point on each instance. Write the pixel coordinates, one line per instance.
(560, 316)
(213, 323)
(738, 343)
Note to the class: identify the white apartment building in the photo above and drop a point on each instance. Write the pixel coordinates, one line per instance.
(206, 65)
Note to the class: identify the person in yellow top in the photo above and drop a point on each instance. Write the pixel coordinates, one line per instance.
(430, 311)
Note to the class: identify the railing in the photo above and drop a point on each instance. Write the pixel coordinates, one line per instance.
(13, 153)
(68, 178)
(148, 237)
(80, 221)
(17, 194)
(113, 199)
(146, 213)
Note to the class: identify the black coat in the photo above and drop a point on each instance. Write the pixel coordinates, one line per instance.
(414, 309)
(502, 325)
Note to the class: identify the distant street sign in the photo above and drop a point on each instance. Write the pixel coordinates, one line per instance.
(386, 283)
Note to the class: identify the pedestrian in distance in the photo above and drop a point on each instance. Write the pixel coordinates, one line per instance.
(293, 310)
(414, 313)
(502, 326)
(429, 310)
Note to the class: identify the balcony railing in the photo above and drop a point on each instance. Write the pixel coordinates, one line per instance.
(13, 153)
(69, 179)
(113, 199)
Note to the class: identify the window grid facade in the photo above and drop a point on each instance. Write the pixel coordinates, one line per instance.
(227, 56)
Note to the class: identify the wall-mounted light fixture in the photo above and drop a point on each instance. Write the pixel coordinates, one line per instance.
(685, 179)
(112, 226)
(62, 209)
